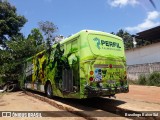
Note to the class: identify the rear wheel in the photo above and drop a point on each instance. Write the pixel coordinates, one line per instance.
(49, 91)
(11, 87)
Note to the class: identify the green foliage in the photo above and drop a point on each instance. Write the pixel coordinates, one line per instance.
(152, 79)
(10, 22)
(21, 47)
(18, 49)
(1, 81)
(10, 53)
(37, 40)
(36, 36)
(142, 80)
(11, 65)
(14, 48)
(128, 40)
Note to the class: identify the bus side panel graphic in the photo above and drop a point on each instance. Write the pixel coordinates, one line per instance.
(87, 64)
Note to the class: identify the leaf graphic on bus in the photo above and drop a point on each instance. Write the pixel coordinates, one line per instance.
(98, 42)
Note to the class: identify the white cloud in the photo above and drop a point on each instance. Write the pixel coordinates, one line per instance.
(153, 15)
(149, 22)
(121, 3)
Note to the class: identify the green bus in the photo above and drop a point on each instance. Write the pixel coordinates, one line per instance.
(87, 64)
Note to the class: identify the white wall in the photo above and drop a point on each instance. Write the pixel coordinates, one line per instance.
(145, 54)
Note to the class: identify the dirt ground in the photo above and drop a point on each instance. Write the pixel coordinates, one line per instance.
(141, 98)
(18, 101)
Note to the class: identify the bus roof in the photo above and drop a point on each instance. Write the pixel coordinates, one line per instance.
(88, 32)
(82, 32)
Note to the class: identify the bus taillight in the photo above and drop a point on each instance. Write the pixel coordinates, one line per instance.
(91, 72)
(110, 66)
(91, 78)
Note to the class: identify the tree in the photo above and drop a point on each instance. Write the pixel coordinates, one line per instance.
(18, 49)
(10, 40)
(48, 28)
(37, 39)
(128, 40)
(37, 36)
(10, 22)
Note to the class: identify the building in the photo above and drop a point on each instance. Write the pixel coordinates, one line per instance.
(144, 59)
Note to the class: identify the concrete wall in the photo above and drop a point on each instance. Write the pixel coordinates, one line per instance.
(144, 60)
(145, 54)
(134, 71)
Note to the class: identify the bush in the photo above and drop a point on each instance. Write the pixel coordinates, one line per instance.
(132, 82)
(142, 80)
(2, 81)
(154, 79)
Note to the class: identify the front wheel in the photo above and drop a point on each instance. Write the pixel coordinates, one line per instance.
(49, 91)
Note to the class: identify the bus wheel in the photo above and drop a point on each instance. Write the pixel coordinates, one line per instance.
(49, 91)
(11, 87)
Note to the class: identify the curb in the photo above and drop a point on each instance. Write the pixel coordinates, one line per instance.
(60, 106)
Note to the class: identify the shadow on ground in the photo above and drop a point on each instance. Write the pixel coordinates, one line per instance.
(89, 104)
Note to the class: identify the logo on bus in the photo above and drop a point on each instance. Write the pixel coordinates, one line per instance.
(98, 42)
(106, 43)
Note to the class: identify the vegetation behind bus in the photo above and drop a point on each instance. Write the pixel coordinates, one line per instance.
(151, 79)
(14, 47)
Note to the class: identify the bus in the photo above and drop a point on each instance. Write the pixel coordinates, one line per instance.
(87, 64)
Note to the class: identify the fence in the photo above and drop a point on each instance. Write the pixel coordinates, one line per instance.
(134, 71)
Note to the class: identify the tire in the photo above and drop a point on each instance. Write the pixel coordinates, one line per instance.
(49, 91)
(5, 87)
(11, 87)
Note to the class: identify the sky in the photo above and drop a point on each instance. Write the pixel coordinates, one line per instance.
(71, 16)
